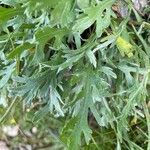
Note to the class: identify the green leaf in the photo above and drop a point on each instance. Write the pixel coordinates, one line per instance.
(69, 62)
(42, 36)
(10, 2)
(83, 3)
(9, 13)
(6, 74)
(62, 13)
(102, 23)
(92, 14)
(91, 57)
(108, 71)
(19, 49)
(38, 5)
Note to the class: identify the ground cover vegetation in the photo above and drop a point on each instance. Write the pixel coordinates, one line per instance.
(78, 70)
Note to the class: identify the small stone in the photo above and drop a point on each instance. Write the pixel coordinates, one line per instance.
(139, 4)
(11, 131)
(3, 146)
(34, 130)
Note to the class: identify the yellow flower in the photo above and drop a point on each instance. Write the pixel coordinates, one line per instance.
(12, 121)
(124, 47)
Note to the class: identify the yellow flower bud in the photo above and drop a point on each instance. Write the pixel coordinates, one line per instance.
(124, 47)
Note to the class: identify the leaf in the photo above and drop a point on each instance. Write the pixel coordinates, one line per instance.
(3, 98)
(145, 45)
(91, 57)
(103, 23)
(41, 113)
(81, 127)
(6, 74)
(42, 36)
(62, 13)
(92, 14)
(69, 62)
(33, 86)
(83, 3)
(54, 101)
(8, 13)
(82, 24)
(10, 2)
(38, 5)
(19, 49)
(108, 71)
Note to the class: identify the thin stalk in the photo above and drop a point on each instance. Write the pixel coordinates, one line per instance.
(147, 114)
(8, 110)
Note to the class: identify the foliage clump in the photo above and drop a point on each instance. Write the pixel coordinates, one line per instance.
(84, 62)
